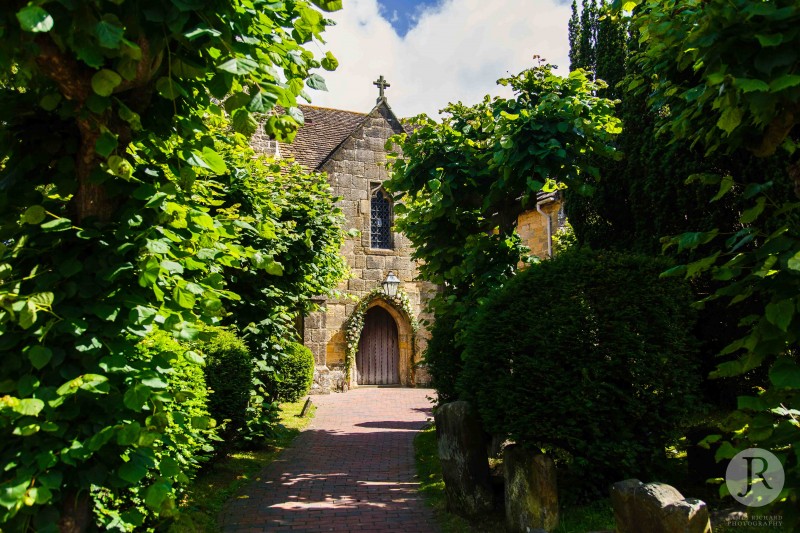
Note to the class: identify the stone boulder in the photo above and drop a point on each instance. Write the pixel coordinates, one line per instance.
(531, 492)
(656, 508)
(322, 381)
(465, 465)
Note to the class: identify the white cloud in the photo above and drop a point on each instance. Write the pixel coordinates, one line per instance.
(456, 52)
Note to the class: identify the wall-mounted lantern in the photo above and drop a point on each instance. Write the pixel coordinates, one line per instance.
(390, 285)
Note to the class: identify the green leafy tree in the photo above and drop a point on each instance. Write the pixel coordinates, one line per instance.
(462, 184)
(110, 176)
(723, 75)
(299, 235)
(647, 198)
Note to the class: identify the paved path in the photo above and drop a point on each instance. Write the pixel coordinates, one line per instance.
(351, 470)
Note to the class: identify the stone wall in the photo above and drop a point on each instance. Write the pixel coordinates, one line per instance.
(532, 227)
(352, 170)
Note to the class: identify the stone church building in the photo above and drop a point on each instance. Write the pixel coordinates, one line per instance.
(349, 147)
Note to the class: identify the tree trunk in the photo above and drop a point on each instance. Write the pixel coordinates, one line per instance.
(74, 514)
(91, 199)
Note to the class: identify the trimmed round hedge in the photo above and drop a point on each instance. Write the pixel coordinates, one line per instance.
(589, 357)
(294, 374)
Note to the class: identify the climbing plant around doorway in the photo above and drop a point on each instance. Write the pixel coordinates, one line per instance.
(355, 323)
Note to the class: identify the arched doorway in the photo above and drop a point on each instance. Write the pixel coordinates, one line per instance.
(378, 356)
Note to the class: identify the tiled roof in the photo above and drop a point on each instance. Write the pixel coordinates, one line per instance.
(324, 130)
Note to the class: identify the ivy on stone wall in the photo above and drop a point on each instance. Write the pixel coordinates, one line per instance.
(355, 322)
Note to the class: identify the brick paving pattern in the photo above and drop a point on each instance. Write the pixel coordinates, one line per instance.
(351, 470)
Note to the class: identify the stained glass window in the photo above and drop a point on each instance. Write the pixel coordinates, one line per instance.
(381, 220)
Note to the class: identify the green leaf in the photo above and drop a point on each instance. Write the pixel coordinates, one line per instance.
(154, 382)
(105, 81)
(108, 35)
(129, 433)
(215, 161)
(730, 119)
(120, 167)
(136, 397)
(200, 31)
(156, 494)
(183, 297)
(328, 5)
(257, 103)
(29, 407)
(59, 224)
(194, 357)
(315, 81)
(236, 101)
(132, 471)
(172, 267)
(243, 122)
(329, 62)
(768, 40)
(157, 247)
(751, 403)
(725, 451)
(35, 214)
(34, 19)
(784, 82)
(11, 493)
(794, 262)
(169, 88)
(39, 356)
(752, 214)
(95, 383)
(724, 186)
(274, 268)
(106, 143)
(100, 439)
(706, 442)
(785, 373)
(780, 313)
(169, 467)
(200, 422)
(27, 315)
(238, 66)
(281, 128)
(748, 85)
(49, 102)
(297, 115)
(42, 299)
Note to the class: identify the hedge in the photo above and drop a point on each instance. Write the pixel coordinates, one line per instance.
(587, 356)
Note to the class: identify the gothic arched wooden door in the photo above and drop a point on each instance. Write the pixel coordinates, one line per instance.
(378, 356)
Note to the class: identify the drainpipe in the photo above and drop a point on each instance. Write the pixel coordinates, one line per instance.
(549, 228)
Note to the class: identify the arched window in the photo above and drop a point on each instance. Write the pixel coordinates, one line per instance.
(380, 218)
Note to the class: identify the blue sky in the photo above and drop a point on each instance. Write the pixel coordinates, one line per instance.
(437, 51)
(403, 14)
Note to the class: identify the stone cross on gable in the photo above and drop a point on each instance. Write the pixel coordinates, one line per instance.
(382, 85)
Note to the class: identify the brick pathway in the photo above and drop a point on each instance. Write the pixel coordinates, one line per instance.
(351, 470)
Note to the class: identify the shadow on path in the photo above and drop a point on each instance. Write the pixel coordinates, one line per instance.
(347, 473)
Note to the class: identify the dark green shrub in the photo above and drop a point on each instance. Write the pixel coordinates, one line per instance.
(588, 357)
(229, 374)
(294, 373)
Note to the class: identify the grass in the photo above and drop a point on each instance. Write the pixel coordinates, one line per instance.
(223, 478)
